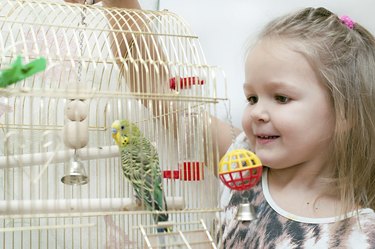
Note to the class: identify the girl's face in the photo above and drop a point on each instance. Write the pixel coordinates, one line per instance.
(289, 118)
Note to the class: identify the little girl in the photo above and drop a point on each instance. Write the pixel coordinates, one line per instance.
(310, 86)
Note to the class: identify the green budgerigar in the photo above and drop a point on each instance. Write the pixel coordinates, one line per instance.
(140, 165)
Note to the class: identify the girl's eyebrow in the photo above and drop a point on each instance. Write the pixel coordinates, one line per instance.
(274, 85)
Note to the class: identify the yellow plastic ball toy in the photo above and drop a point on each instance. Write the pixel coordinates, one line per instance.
(240, 169)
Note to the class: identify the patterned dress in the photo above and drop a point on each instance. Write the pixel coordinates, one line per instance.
(276, 228)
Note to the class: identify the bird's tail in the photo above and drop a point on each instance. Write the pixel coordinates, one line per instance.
(167, 229)
(161, 220)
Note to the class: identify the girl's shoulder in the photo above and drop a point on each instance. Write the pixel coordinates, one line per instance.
(358, 231)
(364, 222)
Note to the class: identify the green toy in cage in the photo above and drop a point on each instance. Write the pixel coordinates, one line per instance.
(19, 71)
(16, 72)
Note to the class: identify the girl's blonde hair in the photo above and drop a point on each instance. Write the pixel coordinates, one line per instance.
(344, 59)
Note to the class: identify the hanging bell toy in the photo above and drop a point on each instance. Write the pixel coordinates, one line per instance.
(77, 174)
(241, 170)
(75, 134)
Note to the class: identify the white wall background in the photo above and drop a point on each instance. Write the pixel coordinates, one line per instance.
(223, 27)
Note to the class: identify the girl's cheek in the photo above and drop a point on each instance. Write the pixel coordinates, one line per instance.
(246, 120)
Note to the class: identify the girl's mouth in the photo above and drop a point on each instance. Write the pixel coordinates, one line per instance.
(266, 139)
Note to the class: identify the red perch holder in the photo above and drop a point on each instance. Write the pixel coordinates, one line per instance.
(187, 171)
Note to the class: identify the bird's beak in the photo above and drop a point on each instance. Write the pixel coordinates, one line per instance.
(115, 135)
(114, 131)
(115, 128)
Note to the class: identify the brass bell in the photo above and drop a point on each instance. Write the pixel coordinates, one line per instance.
(246, 212)
(77, 174)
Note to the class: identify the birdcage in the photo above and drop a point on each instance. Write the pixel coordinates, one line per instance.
(61, 182)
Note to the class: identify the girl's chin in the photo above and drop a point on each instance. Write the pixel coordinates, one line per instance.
(269, 162)
(270, 158)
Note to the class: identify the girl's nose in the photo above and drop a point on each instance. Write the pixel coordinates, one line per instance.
(259, 113)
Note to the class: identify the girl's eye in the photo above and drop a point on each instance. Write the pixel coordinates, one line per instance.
(282, 99)
(252, 100)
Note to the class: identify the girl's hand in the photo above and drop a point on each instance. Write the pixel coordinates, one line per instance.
(82, 1)
(129, 4)
(89, 2)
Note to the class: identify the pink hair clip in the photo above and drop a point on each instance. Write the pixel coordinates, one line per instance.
(347, 21)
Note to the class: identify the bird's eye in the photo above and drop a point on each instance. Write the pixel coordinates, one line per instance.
(122, 127)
